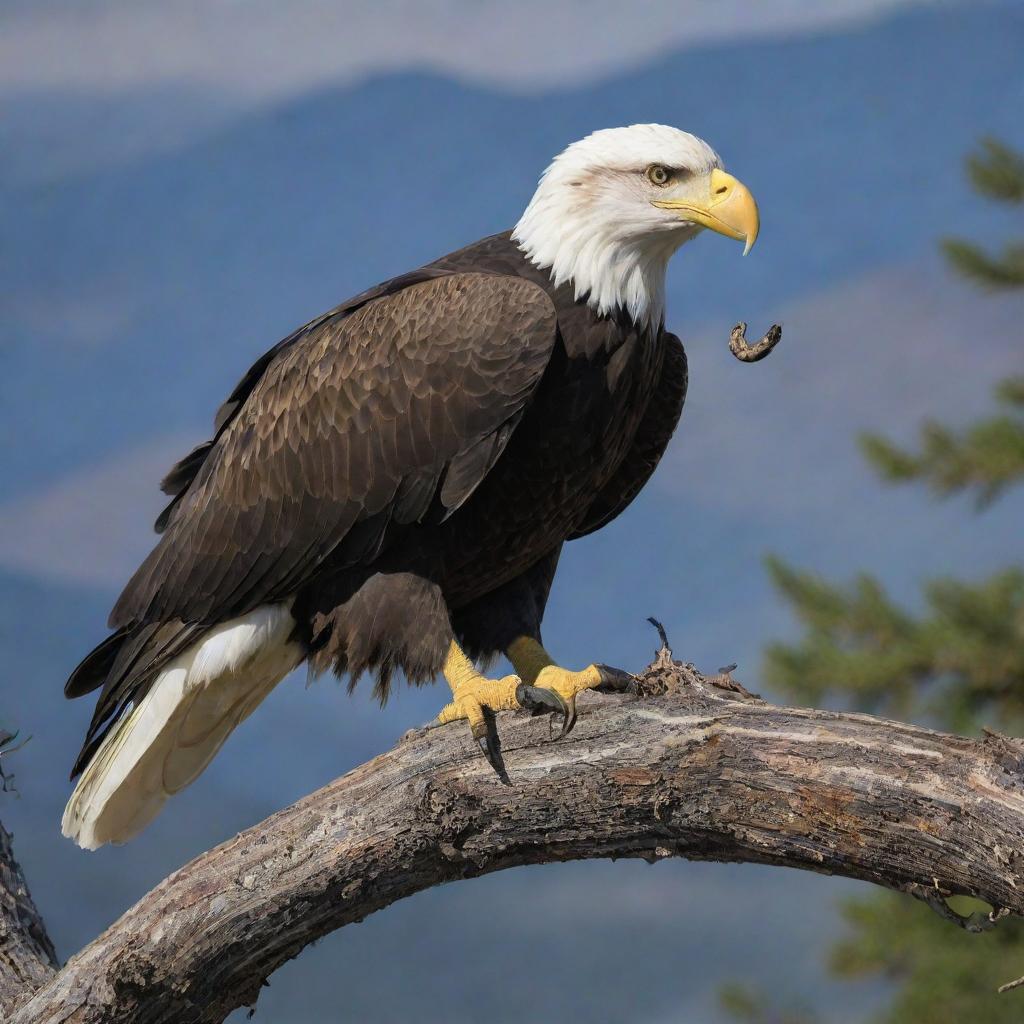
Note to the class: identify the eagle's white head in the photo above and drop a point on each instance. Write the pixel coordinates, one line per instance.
(612, 209)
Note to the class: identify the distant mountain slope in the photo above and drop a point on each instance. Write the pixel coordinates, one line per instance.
(880, 350)
(133, 298)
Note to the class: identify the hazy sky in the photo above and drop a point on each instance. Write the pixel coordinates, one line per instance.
(264, 48)
(227, 56)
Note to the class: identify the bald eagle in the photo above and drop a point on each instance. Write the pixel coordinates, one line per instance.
(389, 488)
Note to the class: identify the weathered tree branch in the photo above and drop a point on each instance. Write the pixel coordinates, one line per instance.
(27, 957)
(680, 768)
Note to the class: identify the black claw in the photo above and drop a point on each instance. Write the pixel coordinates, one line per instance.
(569, 722)
(485, 745)
(489, 745)
(538, 699)
(613, 678)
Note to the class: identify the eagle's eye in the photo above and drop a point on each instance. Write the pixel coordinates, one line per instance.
(658, 175)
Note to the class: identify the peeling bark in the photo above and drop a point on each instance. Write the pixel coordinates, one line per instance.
(684, 767)
(27, 957)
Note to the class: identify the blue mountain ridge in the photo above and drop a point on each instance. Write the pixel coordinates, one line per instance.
(853, 144)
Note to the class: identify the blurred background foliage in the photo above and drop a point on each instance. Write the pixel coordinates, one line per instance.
(957, 663)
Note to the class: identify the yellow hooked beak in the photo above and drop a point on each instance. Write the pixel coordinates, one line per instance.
(730, 211)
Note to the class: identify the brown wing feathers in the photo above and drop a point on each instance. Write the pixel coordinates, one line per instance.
(351, 426)
(370, 418)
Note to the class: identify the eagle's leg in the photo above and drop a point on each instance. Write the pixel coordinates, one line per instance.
(473, 696)
(542, 677)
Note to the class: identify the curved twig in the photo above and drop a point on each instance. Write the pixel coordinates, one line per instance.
(6, 749)
(747, 353)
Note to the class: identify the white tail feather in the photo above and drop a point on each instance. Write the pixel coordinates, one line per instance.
(164, 742)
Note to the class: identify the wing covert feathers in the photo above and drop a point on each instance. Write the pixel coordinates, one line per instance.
(358, 420)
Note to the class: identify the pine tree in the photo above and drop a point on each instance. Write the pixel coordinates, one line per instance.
(995, 171)
(959, 664)
(988, 456)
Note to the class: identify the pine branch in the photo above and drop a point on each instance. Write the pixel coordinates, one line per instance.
(987, 457)
(1010, 391)
(997, 171)
(996, 272)
(963, 657)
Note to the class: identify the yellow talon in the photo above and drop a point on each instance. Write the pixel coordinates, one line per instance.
(539, 685)
(473, 694)
(542, 676)
(567, 683)
(472, 697)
